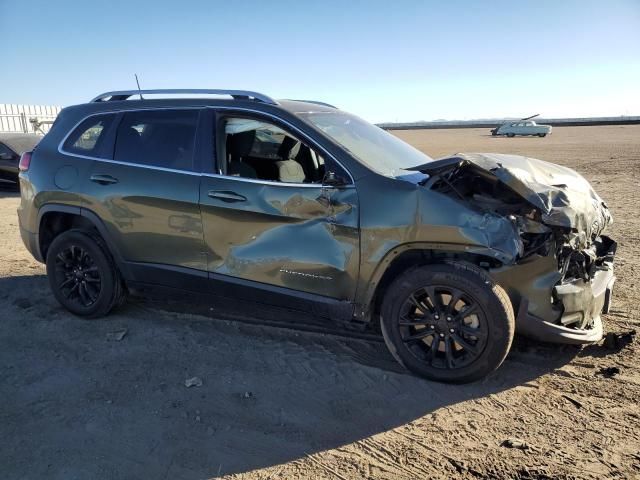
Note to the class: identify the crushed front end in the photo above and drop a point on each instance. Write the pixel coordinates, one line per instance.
(560, 296)
(562, 281)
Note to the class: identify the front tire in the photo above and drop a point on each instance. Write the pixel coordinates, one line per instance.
(82, 274)
(542, 135)
(511, 135)
(447, 322)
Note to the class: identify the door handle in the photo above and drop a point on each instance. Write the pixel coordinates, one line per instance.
(226, 196)
(103, 179)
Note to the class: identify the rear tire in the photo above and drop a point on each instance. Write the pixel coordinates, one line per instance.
(82, 274)
(470, 338)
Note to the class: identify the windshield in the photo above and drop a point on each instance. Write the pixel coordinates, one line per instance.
(377, 149)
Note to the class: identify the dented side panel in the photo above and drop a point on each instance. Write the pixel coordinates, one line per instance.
(397, 216)
(300, 237)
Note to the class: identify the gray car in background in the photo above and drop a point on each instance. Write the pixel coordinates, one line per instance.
(524, 126)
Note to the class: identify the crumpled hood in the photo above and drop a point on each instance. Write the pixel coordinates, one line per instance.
(564, 197)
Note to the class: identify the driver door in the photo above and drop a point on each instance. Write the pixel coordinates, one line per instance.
(271, 224)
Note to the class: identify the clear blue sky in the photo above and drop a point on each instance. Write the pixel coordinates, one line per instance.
(390, 60)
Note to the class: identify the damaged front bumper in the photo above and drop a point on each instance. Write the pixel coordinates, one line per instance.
(556, 311)
(581, 300)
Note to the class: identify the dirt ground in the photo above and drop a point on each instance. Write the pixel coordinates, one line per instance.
(106, 399)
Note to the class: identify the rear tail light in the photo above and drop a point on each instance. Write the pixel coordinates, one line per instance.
(25, 161)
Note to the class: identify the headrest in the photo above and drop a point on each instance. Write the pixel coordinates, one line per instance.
(130, 134)
(289, 148)
(290, 171)
(128, 140)
(240, 144)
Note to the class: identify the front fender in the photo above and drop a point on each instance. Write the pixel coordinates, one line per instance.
(366, 295)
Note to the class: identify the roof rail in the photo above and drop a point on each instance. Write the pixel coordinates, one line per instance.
(313, 101)
(236, 94)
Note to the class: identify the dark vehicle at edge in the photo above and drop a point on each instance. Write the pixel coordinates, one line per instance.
(12, 146)
(450, 256)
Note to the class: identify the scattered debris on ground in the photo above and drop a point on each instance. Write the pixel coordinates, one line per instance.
(617, 341)
(117, 336)
(193, 382)
(575, 402)
(609, 372)
(515, 443)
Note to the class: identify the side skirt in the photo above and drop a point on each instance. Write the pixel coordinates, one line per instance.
(147, 276)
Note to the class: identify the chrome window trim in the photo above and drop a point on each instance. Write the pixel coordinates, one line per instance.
(189, 172)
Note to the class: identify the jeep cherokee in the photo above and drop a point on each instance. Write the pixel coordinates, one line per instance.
(302, 204)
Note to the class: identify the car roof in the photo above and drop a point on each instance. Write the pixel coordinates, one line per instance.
(20, 142)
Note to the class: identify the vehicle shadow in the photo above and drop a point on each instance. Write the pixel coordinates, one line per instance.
(107, 398)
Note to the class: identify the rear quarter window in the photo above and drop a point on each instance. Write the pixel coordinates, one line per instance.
(88, 138)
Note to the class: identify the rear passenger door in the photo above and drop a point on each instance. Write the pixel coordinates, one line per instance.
(146, 192)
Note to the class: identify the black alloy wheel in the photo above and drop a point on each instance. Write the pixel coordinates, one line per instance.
(78, 276)
(83, 275)
(443, 326)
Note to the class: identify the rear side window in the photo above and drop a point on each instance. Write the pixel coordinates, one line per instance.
(88, 138)
(163, 138)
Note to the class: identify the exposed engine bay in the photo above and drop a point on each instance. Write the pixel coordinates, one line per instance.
(554, 210)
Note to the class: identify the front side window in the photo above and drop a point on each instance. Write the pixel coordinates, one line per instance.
(161, 138)
(88, 137)
(261, 150)
(374, 147)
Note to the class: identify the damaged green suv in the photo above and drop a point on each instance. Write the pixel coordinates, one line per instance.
(300, 204)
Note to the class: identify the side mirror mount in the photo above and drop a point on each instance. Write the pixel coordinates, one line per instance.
(331, 179)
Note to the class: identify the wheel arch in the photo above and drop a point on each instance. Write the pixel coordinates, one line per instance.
(404, 257)
(54, 219)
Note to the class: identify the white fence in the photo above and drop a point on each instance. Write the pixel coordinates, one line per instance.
(27, 118)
